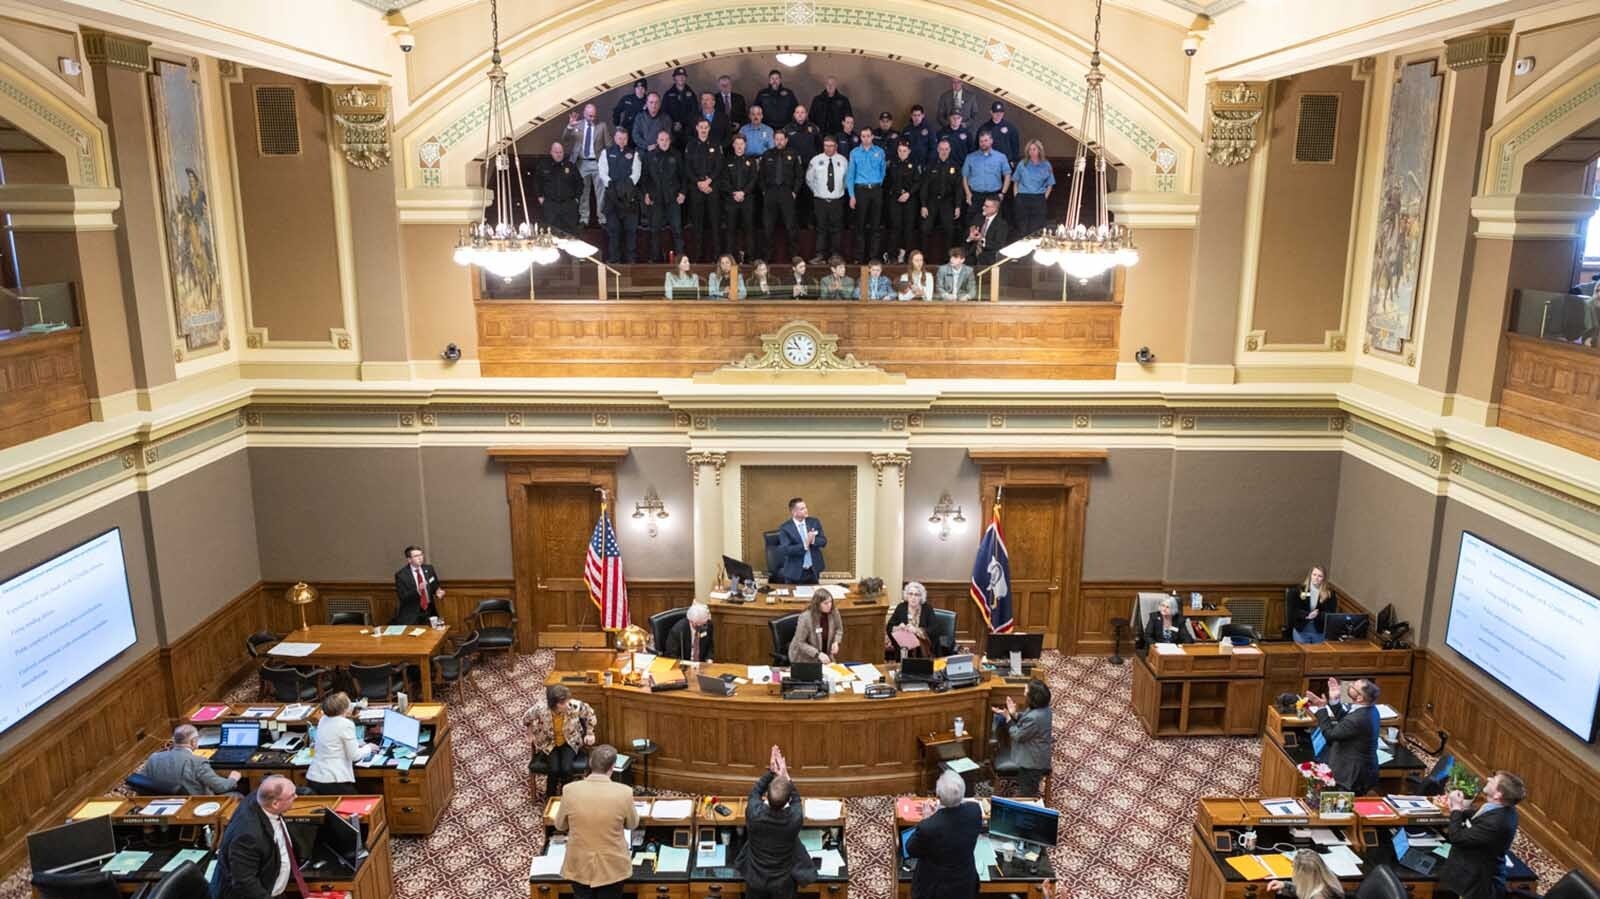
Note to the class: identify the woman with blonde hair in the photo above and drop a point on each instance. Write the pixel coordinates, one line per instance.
(913, 617)
(1310, 879)
(1032, 180)
(1309, 606)
(727, 273)
(820, 631)
(336, 748)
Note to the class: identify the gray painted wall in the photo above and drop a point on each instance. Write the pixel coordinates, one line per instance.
(1250, 516)
(468, 522)
(669, 554)
(1126, 523)
(931, 473)
(348, 514)
(1382, 538)
(203, 530)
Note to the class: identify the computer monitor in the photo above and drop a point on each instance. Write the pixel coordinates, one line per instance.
(999, 647)
(237, 734)
(738, 571)
(915, 668)
(340, 838)
(806, 672)
(1345, 626)
(71, 845)
(1020, 821)
(401, 730)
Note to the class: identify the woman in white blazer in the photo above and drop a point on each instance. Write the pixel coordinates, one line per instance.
(336, 750)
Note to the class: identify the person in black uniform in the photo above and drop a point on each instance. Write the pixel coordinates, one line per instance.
(776, 101)
(702, 163)
(961, 141)
(682, 104)
(1007, 139)
(921, 135)
(249, 858)
(560, 186)
(620, 171)
(1479, 841)
(805, 138)
(665, 188)
(902, 192)
(941, 199)
(830, 107)
(629, 107)
(942, 844)
(416, 587)
(691, 639)
(739, 178)
(773, 818)
(848, 137)
(886, 133)
(781, 175)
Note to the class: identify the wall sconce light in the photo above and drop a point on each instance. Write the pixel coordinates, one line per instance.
(945, 514)
(652, 509)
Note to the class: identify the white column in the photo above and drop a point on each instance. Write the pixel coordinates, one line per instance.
(889, 523)
(707, 469)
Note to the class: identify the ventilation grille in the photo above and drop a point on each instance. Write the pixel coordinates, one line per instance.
(277, 128)
(1251, 610)
(1318, 128)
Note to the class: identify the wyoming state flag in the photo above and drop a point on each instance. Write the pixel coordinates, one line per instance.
(991, 578)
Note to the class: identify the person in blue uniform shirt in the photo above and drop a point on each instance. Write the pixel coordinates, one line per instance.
(628, 107)
(801, 540)
(863, 181)
(984, 174)
(829, 107)
(1005, 136)
(620, 171)
(1032, 180)
(757, 134)
(921, 135)
(776, 101)
(959, 137)
(648, 123)
(682, 104)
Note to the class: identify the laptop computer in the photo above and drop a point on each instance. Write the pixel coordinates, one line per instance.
(240, 741)
(1417, 859)
(916, 671)
(716, 686)
(960, 671)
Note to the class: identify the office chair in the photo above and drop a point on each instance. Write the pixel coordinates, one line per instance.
(1573, 886)
(496, 637)
(451, 670)
(259, 642)
(769, 539)
(1229, 631)
(145, 785)
(1381, 883)
(662, 623)
(348, 618)
(782, 635)
(87, 885)
(1291, 595)
(187, 881)
(378, 683)
(943, 634)
(292, 684)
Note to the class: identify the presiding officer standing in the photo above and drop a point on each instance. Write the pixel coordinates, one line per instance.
(594, 812)
(942, 844)
(801, 540)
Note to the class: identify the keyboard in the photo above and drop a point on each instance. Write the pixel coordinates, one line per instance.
(234, 755)
(817, 692)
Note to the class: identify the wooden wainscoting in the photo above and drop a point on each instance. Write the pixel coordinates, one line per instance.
(678, 340)
(84, 750)
(204, 662)
(1551, 392)
(1488, 734)
(41, 385)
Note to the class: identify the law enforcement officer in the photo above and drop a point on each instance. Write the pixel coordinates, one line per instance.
(781, 173)
(960, 138)
(682, 105)
(1007, 139)
(825, 177)
(984, 174)
(805, 139)
(941, 198)
(830, 107)
(560, 184)
(702, 162)
(776, 101)
(902, 188)
(757, 134)
(921, 135)
(863, 180)
(886, 134)
(739, 179)
(620, 170)
(664, 192)
(847, 137)
(628, 107)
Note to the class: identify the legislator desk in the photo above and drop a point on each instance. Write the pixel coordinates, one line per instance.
(743, 635)
(414, 798)
(1297, 667)
(687, 827)
(1022, 876)
(842, 745)
(1198, 689)
(1286, 743)
(1218, 823)
(191, 832)
(341, 644)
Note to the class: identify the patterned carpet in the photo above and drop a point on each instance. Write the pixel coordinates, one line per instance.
(1127, 800)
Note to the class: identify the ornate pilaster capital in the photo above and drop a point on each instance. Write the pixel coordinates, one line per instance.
(361, 123)
(706, 459)
(1481, 48)
(102, 48)
(897, 461)
(1234, 120)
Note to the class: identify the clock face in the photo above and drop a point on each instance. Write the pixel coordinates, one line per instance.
(799, 349)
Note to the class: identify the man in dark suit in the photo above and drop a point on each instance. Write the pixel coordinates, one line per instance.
(416, 585)
(1479, 841)
(773, 817)
(691, 638)
(732, 102)
(988, 234)
(942, 844)
(255, 859)
(801, 540)
(1351, 728)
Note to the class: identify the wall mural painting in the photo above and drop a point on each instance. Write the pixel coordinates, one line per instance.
(186, 207)
(1403, 206)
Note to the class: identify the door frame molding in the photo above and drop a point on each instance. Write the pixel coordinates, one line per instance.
(1065, 468)
(526, 469)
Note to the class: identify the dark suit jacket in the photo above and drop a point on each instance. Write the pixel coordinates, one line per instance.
(405, 588)
(247, 860)
(1299, 607)
(1478, 847)
(772, 840)
(792, 544)
(901, 615)
(678, 642)
(999, 235)
(942, 845)
(1352, 745)
(1154, 633)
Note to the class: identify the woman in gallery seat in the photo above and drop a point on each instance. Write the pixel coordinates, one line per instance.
(1310, 879)
(910, 622)
(1166, 624)
(560, 729)
(1309, 607)
(819, 632)
(1025, 753)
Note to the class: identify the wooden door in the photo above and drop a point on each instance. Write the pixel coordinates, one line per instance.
(561, 519)
(1034, 522)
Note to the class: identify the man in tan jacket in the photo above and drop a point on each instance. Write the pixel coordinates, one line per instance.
(594, 812)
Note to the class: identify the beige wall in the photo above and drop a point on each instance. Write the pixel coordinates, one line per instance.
(1550, 47)
(345, 514)
(203, 531)
(286, 204)
(46, 46)
(1250, 516)
(932, 472)
(438, 293)
(34, 167)
(1127, 520)
(1156, 294)
(1383, 529)
(1307, 215)
(1219, 241)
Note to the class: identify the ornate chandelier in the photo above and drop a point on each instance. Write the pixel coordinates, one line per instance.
(508, 246)
(1081, 249)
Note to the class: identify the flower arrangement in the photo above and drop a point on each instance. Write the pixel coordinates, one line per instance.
(1316, 774)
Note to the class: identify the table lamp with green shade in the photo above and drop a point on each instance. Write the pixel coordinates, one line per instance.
(301, 594)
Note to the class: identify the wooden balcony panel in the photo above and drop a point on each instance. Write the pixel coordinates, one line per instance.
(1551, 392)
(41, 385)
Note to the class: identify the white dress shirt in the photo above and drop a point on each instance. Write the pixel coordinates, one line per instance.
(817, 176)
(280, 836)
(333, 760)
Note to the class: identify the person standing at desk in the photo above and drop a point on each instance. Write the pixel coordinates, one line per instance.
(773, 817)
(914, 617)
(560, 728)
(819, 632)
(942, 844)
(1027, 758)
(595, 812)
(1351, 728)
(187, 773)
(691, 639)
(1479, 841)
(801, 540)
(1308, 612)
(255, 858)
(1166, 624)
(417, 588)
(336, 750)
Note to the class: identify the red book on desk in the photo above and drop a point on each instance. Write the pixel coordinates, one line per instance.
(1374, 808)
(910, 808)
(362, 807)
(210, 712)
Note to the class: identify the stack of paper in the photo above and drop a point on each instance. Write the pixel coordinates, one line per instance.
(549, 864)
(1387, 711)
(295, 712)
(1323, 836)
(829, 862)
(759, 674)
(1343, 862)
(866, 672)
(1413, 805)
(837, 673)
(1373, 808)
(96, 808)
(162, 807)
(184, 855)
(824, 809)
(714, 856)
(126, 862)
(1263, 867)
(209, 713)
(812, 840)
(1168, 649)
(672, 860)
(1279, 808)
(983, 856)
(295, 650)
(671, 809)
(1384, 756)
(961, 765)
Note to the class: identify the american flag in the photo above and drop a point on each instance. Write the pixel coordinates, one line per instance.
(602, 574)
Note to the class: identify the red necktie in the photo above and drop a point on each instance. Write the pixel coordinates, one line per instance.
(422, 588)
(294, 866)
(694, 646)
